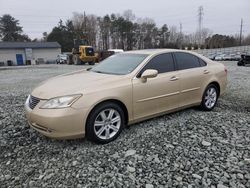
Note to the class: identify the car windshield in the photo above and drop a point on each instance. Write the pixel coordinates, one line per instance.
(120, 64)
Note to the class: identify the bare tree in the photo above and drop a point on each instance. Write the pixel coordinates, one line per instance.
(104, 25)
(85, 27)
(246, 40)
(173, 34)
(129, 15)
(205, 33)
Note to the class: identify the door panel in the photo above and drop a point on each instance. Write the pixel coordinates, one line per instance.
(191, 84)
(157, 95)
(192, 77)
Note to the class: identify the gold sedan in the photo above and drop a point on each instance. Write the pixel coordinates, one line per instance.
(125, 88)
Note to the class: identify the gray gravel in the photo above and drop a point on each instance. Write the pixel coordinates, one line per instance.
(190, 148)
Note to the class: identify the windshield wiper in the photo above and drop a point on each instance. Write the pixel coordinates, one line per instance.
(101, 72)
(88, 69)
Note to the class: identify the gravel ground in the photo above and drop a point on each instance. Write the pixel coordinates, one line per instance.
(190, 148)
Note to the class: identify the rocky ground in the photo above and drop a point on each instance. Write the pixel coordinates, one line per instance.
(190, 148)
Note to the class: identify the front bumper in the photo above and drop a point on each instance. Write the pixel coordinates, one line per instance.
(65, 123)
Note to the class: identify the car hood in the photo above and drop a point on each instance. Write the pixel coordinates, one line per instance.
(79, 82)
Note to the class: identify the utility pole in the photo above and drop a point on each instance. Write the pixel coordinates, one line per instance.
(181, 35)
(200, 19)
(241, 26)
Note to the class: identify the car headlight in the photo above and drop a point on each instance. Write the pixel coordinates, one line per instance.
(27, 100)
(60, 102)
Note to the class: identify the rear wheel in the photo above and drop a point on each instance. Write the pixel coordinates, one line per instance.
(210, 97)
(105, 123)
(91, 63)
(240, 63)
(76, 59)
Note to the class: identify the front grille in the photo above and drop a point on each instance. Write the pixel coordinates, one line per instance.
(33, 101)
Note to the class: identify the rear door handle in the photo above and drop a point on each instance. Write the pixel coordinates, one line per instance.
(206, 71)
(174, 78)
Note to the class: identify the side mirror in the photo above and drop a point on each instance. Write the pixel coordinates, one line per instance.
(149, 73)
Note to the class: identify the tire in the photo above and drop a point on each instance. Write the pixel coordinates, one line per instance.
(92, 63)
(76, 60)
(240, 63)
(82, 63)
(99, 126)
(209, 98)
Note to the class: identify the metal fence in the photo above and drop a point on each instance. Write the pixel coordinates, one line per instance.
(229, 50)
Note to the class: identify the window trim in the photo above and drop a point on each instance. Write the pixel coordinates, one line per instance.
(139, 73)
(202, 61)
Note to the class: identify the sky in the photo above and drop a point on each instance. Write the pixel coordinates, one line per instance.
(221, 16)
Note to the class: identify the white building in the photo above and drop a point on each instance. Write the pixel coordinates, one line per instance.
(21, 53)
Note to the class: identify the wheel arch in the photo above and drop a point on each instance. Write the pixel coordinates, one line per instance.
(116, 101)
(217, 85)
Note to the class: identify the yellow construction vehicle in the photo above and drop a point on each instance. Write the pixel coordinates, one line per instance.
(82, 54)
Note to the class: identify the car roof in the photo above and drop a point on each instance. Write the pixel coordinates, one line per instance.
(156, 51)
(152, 52)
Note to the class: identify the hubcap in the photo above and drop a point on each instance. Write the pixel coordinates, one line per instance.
(107, 124)
(211, 97)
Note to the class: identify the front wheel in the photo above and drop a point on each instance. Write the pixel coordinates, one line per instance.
(105, 123)
(210, 97)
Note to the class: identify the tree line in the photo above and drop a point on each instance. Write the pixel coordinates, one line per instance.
(119, 31)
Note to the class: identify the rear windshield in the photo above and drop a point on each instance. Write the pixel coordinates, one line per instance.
(120, 64)
(90, 52)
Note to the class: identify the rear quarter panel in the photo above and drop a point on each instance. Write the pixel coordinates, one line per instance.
(217, 74)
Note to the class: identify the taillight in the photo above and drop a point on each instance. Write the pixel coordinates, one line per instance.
(225, 69)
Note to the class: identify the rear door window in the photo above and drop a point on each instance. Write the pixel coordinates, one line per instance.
(186, 60)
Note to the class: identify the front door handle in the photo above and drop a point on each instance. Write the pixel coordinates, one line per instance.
(206, 71)
(174, 78)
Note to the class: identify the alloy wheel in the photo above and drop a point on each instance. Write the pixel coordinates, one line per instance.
(107, 124)
(210, 97)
